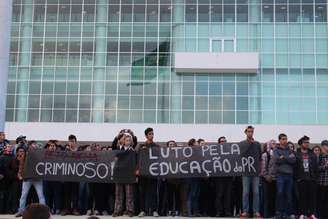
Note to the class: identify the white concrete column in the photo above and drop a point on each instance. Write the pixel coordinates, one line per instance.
(178, 32)
(98, 103)
(24, 60)
(5, 26)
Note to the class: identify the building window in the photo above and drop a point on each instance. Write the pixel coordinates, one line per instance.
(218, 45)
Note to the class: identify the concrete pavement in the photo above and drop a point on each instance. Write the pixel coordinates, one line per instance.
(101, 217)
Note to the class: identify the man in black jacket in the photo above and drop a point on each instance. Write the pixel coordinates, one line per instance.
(306, 175)
(7, 176)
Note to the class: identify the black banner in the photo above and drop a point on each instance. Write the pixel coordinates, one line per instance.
(230, 159)
(88, 166)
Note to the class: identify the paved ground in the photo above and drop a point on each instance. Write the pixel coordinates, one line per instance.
(84, 217)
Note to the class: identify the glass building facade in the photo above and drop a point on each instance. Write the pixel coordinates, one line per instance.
(112, 61)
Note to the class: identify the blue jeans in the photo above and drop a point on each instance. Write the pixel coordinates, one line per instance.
(284, 195)
(38, 185)
(249, 181)
(193, 196)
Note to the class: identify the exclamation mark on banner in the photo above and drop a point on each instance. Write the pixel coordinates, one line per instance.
(112, 166)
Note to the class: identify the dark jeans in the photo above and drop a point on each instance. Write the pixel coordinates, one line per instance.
(162, 196)
(269, 198)
(323, 200)
(148, 194)
(207, 197)
(70, 195)
(184, 197)
(307, 197)
(284, 188)
(52, 191)
(9, 197)
(237, 194)
(193, 196)
(95, 197)
(173, 197)
(223, 189)
(83, 197)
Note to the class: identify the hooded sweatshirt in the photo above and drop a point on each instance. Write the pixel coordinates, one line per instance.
(284, 166)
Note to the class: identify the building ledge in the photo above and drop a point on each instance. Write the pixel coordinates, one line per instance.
(227, 62)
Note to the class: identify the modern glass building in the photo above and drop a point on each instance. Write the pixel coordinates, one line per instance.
(169, 63)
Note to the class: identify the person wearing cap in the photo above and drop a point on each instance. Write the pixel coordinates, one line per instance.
(253, 147)
(305, 176)
(323, 181)
(20, 142)
(28, 183)
(3, 141)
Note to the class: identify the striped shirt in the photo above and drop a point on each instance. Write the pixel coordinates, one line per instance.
(323, 170)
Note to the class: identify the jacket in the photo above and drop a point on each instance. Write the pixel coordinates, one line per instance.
(285, 165)
(300, 173)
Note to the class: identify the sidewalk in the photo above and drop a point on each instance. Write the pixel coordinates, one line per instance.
(101, 217)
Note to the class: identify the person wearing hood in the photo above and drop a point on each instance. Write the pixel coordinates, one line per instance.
(306, 176)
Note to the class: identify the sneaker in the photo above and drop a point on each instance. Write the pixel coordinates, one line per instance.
(76, 212)
(257, 215)
(243, 215)
(292, 216)
(313, 216)
(155, 214)
(301, 217)
(89, 212)
(97, 212)
(142, 214)
(115, 214)
(105, 213)
(57, 212)
(64, 212)
(19, 214)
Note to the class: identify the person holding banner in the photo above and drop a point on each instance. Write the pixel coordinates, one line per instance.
(27, 183)
(251, 181)
(147, 185)
(194, 189)
(52, 189)
(124, 189)
(71, 189)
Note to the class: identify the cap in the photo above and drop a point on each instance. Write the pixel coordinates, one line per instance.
(324, 143)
